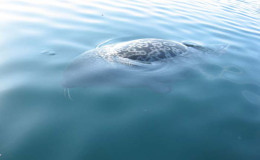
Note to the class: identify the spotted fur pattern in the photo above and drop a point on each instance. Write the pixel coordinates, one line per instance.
(144, 50)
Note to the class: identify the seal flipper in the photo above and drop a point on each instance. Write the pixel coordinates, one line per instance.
(212, 48)
(197, 46)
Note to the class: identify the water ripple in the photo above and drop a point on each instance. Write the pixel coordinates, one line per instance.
(214, 101)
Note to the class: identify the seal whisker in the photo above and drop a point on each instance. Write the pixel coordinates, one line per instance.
(69, 94)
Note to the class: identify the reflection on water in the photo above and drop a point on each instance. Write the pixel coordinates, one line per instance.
(212, 111)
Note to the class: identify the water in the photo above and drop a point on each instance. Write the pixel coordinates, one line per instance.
(212, 112)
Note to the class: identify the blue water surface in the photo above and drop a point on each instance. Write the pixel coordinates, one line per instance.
(211, 113)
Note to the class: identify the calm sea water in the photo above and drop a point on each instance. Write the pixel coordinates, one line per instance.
(213, 112)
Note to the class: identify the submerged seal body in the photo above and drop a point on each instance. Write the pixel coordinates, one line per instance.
(126, 63)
